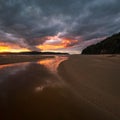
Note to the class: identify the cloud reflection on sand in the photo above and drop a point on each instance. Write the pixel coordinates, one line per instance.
(33, 75)
(52, 63)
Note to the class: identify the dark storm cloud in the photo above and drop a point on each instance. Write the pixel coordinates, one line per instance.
(28, 20)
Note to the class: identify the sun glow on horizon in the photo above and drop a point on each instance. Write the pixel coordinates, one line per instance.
(6, 47)
(51, 43)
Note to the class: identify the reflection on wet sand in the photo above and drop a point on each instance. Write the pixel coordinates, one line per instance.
(46, 66)
(23, 87)
(13, 65)
(12, 69)
(52, 63)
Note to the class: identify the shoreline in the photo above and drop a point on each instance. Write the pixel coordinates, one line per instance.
(10, 59)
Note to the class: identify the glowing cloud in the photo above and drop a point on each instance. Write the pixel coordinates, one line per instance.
(55, 43)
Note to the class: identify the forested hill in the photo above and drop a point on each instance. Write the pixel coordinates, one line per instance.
(110, 45)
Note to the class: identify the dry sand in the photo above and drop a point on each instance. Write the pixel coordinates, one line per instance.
(96, 80)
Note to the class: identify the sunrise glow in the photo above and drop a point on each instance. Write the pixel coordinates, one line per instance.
(7, 47)
(55, 43)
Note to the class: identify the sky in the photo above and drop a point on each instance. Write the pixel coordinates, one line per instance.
(56, 25)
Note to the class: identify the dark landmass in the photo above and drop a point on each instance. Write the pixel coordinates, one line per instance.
(33, 53)
(110, 45)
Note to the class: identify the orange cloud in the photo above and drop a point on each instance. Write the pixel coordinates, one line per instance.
(50, 47)
(10, 47)
(54, 43)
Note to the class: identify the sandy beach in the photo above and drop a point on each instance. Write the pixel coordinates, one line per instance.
(75, 87)
(96, 80)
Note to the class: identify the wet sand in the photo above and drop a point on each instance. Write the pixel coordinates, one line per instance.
(7, 59)
(96, 80)
(61, 88)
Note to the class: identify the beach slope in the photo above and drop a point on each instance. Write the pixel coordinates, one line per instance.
(95, 79)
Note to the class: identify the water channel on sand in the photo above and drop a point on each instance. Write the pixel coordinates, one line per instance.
(35, 90)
